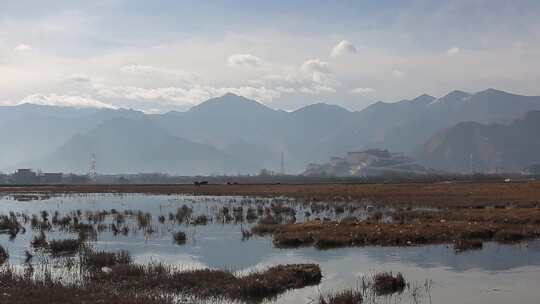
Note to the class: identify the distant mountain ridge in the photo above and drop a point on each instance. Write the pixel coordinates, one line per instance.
(248, 134)
(139, 146)
(475, 147)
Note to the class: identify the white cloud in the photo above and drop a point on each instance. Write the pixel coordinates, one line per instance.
(185, 96)
(22, 48)
(316, 66)
(343, 48)
(80, 78)
(65, 101)
(138, 69)
(159, 74)
(453, 51)
(285, 89)
(362, 90)
(318, 72)
(4, 103)
(398, 73)
(244, 60)
(317, 90)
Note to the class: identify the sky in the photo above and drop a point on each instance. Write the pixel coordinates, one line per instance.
(163, 55)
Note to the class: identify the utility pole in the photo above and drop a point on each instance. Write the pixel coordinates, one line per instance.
(282, 164)
(471, 164)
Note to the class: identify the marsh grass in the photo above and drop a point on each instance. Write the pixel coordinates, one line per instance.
(4, 255)
(179, 237)
(385, 283)
(98, 259)
(64, 246)
(461, 245)
(348, 296)
(22, 289)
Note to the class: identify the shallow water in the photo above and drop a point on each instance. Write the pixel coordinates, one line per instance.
(495, 274)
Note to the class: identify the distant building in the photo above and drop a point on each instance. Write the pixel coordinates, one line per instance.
(372, 162)
(51, 178)
(24, 176)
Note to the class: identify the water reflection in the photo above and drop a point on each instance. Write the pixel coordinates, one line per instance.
(495, 273)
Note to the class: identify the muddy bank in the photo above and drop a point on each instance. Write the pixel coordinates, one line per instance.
(209, 283)
(331, 234)
(123, 282)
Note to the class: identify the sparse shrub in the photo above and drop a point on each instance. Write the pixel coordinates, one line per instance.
(119, 218)
(339, 209)
(98, 259)
(343, 297)
(183, 213)
(4, 255)
(246, 234)
(179, 237)
(144, 219)
(10, 224)
(251, 215)
(44, 216)
(200, 220)
(39, 241)
(464, 244)
(64, 247)
(387, 283)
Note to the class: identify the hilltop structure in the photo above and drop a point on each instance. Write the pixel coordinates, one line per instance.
(372, 162)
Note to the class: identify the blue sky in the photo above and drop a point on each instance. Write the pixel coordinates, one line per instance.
(163, 55)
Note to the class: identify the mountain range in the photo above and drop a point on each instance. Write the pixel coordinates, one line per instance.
(475, 147)
(232, 134)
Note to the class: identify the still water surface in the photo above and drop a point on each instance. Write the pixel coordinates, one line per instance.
(495, 274)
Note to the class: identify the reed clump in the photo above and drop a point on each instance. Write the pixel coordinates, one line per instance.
(387, 283)
(207, 283)
(4, 255)
(343, 297)
(98, 259)
(179, 237)
(465, 244)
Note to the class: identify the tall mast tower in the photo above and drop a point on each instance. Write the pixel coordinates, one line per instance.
(92, 173)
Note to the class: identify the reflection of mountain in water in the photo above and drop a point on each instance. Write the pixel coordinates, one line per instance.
(221, 245)
(493, 257)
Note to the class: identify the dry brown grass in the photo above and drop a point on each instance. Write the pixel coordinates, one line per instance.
(464, 245)
(448, 194)
(95, 260)
(387, 283)
(325, 235)
(4, 255)
(16, 289)
(208, 283)
(342, 297)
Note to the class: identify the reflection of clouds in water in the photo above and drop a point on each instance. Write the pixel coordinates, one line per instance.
(179, 260)
(285, 258)
(470, 276)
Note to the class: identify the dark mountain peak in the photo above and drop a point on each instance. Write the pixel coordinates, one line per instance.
(321, 107)
(423, 99)
(494, 93)
(232, 95)
(231, 104)
(456, 95)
